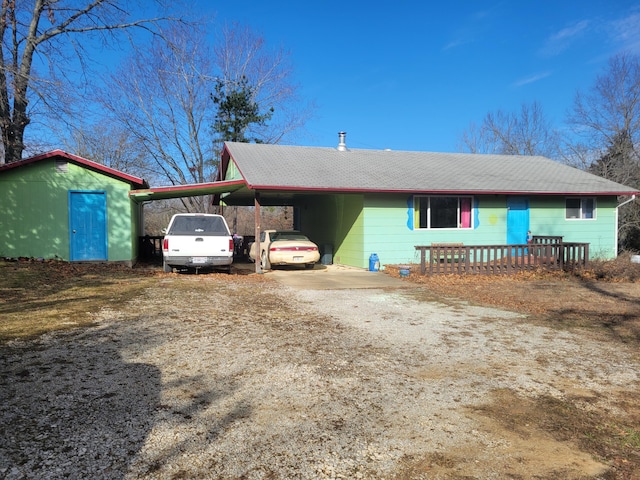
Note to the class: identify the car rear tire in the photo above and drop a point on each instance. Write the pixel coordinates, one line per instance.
(264, 261)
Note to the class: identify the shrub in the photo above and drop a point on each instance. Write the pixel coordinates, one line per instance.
(621, 269)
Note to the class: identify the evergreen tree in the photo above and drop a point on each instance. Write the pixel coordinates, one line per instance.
(237, 111)
(620, 161)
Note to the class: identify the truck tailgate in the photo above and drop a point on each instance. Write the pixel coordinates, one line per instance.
(199, 246)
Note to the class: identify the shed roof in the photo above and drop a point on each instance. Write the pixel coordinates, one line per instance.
(296, 168)
(133, 181)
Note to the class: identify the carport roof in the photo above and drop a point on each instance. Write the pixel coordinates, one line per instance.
(321, 169)
(177, 191)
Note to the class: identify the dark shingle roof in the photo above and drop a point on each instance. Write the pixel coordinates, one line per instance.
(320, 168)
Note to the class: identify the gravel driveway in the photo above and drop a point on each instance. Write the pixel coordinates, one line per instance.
(225, 377)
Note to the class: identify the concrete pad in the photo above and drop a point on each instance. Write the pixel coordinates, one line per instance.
(333, 277)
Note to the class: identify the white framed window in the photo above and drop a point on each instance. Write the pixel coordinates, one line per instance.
(442, 212)
(580, 208)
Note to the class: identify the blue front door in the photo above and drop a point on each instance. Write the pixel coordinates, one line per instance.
(517, 220)
(87, 226)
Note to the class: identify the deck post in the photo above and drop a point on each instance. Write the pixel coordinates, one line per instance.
(586, 255)
(256, 202)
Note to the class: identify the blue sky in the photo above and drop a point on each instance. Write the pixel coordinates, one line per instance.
(412, 75)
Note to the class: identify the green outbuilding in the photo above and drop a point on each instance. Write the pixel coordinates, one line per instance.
(62, 206)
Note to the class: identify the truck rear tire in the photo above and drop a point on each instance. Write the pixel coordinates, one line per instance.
(166, 268)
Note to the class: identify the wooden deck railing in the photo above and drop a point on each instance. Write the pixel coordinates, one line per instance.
(501, 259)
(544, 239)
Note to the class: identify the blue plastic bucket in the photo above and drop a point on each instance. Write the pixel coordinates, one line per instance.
(374, 262)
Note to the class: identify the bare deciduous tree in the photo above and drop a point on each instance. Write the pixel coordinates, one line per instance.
(112, 146)
(527, 132)
(43, 33)
(606, 126)
(608, 112)
(163, 95)
(241, 53)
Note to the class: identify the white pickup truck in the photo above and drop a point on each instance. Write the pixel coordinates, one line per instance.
(197, 241)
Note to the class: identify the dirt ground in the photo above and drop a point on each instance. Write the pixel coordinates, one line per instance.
(602, 303)
(527, 377)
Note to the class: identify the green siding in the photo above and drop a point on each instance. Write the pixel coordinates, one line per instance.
(136, 227)
(350, 231)
(359, 225)
(336, 220)
(34, 220)
(232, 172)
(548, 218)
(490, 221)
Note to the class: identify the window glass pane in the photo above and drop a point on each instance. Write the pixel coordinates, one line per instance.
(196, 225)
(573, 208)
(444, 212)
(423, 205)
(587, 208)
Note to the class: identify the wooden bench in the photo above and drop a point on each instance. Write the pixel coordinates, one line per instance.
(447, 252)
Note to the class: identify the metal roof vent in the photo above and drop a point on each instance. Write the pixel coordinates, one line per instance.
(342, 146)
(62, 166)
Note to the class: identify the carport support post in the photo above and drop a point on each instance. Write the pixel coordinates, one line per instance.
(256, 202)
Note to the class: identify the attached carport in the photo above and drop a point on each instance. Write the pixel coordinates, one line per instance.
(322, 186)
(242, 196)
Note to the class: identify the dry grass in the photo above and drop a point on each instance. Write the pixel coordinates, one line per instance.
(39, 297)
(612, 440)
(605, 298)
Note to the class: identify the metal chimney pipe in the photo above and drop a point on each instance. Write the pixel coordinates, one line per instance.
(342, 146)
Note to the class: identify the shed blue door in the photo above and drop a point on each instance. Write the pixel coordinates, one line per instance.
(87, 226)
(517, 220)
